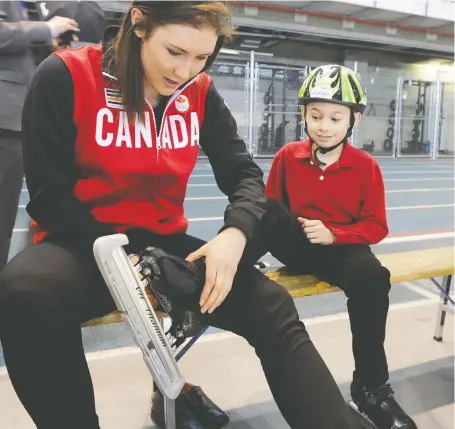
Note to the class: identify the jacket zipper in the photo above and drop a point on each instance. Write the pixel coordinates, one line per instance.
(158, 133)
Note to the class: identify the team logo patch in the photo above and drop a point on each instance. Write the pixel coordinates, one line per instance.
(181, 103)
(113, 98)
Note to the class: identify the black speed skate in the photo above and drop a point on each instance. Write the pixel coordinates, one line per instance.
(177, 286)
(379, 406)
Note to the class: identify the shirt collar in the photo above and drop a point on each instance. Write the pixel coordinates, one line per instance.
(303, 150)
(347, 158)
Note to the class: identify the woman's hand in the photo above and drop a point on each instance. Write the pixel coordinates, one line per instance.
(222, 256)
(317, 232)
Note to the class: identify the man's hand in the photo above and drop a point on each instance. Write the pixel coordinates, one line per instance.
(316, 232)
(62, 24)
(222, 256)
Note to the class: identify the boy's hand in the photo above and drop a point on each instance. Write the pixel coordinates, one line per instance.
(316, 232)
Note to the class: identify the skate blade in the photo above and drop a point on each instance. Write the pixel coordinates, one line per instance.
(364, 420)
(130, 294)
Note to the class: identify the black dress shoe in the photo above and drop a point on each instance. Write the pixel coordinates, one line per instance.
(380, 406)
(205, 410)
(185, 419)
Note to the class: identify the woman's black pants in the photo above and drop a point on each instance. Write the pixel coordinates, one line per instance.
(49, 289)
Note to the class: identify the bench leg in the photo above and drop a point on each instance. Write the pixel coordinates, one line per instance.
(442, 309)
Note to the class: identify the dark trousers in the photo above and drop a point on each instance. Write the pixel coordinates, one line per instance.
(353, 268)
(11, 174)
(49, 289)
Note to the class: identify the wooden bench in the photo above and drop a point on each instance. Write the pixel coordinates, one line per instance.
(405, 266)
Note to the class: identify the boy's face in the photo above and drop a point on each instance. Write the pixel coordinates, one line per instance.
(328, 123)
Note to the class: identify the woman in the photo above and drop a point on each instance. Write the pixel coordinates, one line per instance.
(95, 165)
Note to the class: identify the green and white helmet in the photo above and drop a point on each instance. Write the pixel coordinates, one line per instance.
(334, 84)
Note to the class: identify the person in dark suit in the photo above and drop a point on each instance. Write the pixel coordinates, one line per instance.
(18, 37)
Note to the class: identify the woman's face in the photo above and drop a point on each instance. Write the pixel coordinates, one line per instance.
(173, 54)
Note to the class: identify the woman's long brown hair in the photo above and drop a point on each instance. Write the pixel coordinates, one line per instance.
(128, 64)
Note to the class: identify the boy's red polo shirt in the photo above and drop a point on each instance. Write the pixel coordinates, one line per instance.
(348, 196)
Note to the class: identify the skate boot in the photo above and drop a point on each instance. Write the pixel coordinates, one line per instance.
(380, 407)
(176, 286)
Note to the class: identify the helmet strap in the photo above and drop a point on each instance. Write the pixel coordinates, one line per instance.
(325, 150)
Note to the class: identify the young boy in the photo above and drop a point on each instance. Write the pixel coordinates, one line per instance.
(326, 207)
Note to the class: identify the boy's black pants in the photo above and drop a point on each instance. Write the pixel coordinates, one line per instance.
(353, 268)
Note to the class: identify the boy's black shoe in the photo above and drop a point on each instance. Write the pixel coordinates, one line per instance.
(380, 406)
